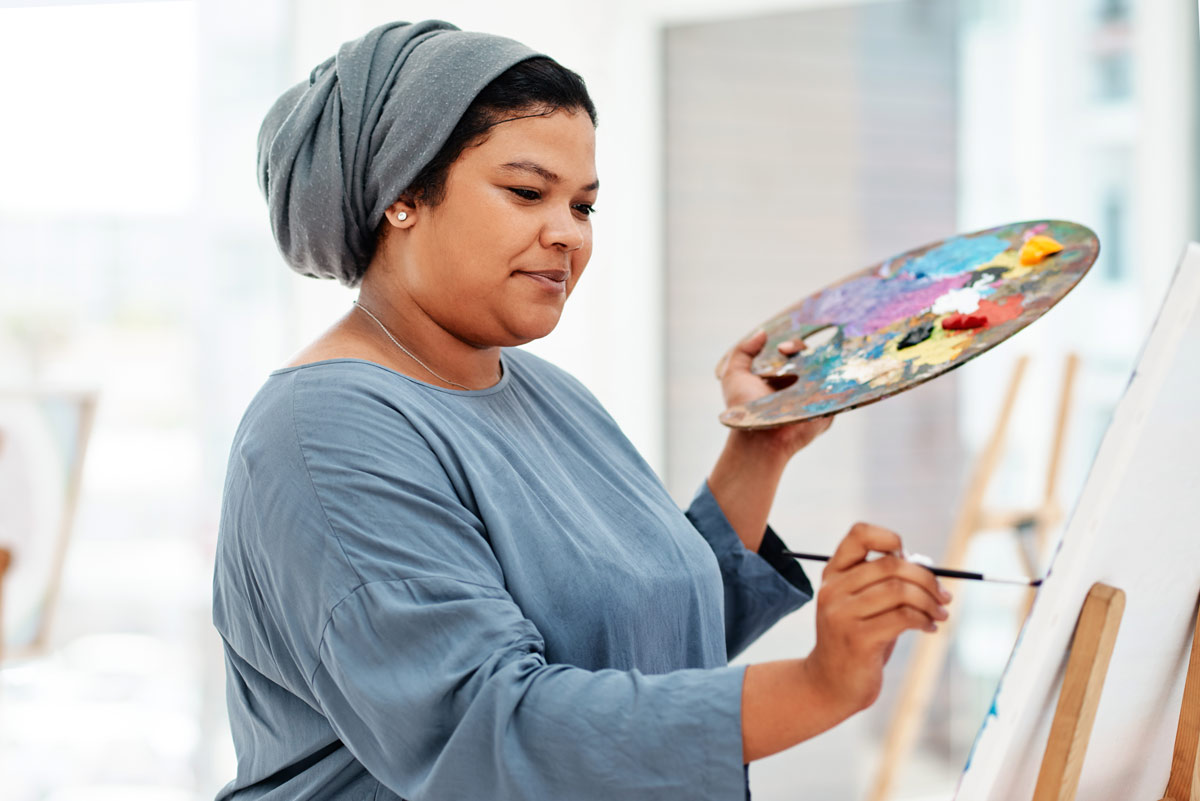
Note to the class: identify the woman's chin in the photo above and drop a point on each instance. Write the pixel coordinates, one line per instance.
(534, 327)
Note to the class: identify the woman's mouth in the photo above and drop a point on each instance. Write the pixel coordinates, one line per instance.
(549, 280)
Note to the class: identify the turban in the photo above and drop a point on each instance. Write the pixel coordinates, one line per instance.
(336, 150)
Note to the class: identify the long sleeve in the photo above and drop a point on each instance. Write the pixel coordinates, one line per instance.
(439, 688)
(760, 588)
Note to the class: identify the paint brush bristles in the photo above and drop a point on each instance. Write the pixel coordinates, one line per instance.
(944, 572)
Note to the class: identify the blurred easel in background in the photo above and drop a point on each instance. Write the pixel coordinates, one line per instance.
(44, 436)
(1031, 528)
(5, 561)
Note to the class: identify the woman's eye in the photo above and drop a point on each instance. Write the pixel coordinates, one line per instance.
(525, 194)
(586, 209)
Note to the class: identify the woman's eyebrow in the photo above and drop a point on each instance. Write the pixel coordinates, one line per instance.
(547, 175)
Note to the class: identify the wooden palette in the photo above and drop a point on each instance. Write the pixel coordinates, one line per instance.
(911, 318)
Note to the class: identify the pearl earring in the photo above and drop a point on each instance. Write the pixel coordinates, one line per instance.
(401, 216)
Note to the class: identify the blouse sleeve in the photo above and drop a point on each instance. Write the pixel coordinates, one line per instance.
(438, 684)
(760, 588)
(440, 688)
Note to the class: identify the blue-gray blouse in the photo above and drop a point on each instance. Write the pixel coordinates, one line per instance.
(435, 594)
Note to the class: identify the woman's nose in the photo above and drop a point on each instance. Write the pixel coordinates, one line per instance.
(562, 230)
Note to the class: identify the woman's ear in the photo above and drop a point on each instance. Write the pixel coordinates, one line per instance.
(401, 214)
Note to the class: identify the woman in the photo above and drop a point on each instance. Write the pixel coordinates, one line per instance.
(442, 571)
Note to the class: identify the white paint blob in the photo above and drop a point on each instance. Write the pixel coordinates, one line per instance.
(957, 301)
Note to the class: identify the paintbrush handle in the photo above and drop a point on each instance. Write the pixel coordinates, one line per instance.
(944, 572)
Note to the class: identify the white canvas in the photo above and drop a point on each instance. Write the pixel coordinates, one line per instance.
(1135, 527)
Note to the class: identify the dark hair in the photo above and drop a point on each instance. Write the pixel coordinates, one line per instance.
(534, 87)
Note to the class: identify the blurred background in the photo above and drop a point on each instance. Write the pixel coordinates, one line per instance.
(750, 152)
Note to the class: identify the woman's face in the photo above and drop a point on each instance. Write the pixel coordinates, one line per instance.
(495, 261)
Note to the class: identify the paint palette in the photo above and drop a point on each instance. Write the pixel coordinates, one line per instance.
(913, 317)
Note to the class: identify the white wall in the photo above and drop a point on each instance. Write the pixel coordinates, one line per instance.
(1038, 141)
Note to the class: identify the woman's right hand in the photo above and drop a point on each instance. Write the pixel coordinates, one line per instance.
(862, 608)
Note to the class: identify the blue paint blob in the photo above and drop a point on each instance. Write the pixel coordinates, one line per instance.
(955, 256)
(875, 351)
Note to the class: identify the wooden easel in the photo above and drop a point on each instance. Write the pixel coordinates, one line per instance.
(1184, 781)
(86, 403)
(5, 561)
(1091, 648)
(930, 653)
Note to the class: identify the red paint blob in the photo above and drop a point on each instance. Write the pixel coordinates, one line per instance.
(960, 322)
(996, 313)
(988, 313)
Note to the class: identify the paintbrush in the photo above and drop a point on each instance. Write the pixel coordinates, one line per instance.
(925, 562)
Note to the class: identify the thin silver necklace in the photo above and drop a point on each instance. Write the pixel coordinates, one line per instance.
(411, 355)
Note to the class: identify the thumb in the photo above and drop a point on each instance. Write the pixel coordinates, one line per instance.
(752, 344)
(742, 353)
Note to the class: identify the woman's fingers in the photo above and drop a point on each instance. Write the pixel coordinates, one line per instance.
(742, 353)
(894, 593)
(790, 347)
(862, 539)
(882, 588)
(861, 576)
(818, 425)
(885, 628)
(750, 347)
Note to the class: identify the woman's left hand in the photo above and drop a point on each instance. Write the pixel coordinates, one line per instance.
(739, 385)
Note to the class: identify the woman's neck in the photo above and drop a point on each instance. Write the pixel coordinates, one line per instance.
(419, 346)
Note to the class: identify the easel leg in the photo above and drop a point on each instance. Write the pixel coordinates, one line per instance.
(1184, 782)
(1091, 649)
(906, 721)
(5, 561)
(1050, 513)
(87, 418)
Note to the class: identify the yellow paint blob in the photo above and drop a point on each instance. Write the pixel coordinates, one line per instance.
(941, 347)
(1038, 248)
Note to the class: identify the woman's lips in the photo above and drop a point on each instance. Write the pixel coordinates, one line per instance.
(550, 280)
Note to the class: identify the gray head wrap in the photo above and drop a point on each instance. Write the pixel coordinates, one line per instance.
(336, 150)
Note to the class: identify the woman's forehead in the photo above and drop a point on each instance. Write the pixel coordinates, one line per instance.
(559, 147)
